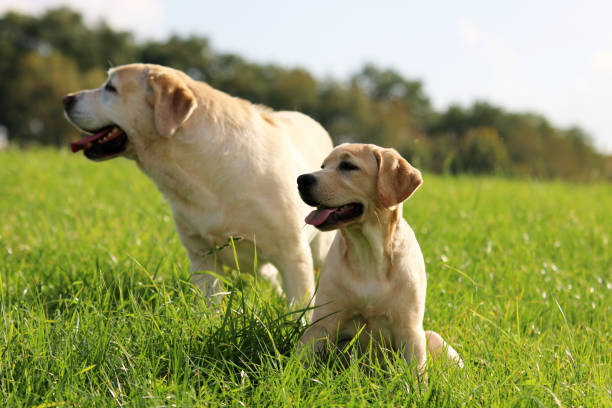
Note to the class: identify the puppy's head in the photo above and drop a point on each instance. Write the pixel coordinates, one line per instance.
(356, 181)
(135, 106)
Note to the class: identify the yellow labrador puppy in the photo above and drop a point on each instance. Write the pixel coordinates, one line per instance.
(227, 167)
(373, 280)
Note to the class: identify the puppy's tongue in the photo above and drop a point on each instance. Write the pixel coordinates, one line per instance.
(318, 216)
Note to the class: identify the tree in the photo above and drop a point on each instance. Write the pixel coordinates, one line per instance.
(37, 93)
(42, 58)
(192, 55)
(482, 151)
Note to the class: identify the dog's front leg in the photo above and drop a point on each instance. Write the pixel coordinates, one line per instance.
(294, 261)
(413, 345)
(202, 259)
(207, 283)
(313, 341)
(318, 338)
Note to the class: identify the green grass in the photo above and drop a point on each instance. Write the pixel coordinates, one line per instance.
(97, 309)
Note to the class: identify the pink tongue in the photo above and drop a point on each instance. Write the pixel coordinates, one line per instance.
(318, 216)
(80, 144)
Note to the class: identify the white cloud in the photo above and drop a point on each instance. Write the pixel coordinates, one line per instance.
(142, 17)
(21, 6)
(470, 34)
(507, 78)
(504, 77)
(591, 98)
(602, 62)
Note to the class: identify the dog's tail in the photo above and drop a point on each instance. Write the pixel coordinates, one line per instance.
(437, 347)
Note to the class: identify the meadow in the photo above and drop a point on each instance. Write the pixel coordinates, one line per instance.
(97, 308)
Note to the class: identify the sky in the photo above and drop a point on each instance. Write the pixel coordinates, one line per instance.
(551, 57)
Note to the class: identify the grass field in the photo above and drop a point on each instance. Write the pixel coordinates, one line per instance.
(97, 309)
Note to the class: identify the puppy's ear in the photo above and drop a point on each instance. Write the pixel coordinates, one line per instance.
(173, 102)
(397, 179)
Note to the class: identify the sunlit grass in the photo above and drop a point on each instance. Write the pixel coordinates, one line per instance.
(97, 309)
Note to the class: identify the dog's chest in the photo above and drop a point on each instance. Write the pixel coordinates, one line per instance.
(369, 310)
(370, 298)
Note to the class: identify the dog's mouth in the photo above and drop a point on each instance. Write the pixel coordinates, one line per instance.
(328, 218)
(102, 144)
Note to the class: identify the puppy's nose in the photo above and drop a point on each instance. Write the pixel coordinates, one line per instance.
(306, 180)
(68, 101)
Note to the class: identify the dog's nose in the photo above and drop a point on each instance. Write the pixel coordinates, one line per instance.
(68, 101)
(306, 180)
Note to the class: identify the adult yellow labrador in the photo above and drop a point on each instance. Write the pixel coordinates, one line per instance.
(373, 281)
(227, 167)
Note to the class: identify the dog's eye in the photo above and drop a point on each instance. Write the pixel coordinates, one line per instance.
(110, 88)
(347, 166)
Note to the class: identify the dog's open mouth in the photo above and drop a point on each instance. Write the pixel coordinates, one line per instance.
(103, 143)
(327, 218)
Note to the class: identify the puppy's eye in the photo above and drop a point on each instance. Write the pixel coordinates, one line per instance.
(347, 166)
(110, 88)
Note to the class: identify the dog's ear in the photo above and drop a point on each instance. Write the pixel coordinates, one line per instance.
(173, 102)
(397, 179)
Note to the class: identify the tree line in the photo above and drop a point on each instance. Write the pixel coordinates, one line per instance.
(44, 57)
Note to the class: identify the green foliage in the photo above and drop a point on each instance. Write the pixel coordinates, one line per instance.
(97, 309)
(190, 54)
(34, 107)
(534, 147)
(44, 58)
(375, 105)
(482, 151)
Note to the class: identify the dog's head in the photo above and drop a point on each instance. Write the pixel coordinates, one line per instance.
(356, 181)
(137, 105)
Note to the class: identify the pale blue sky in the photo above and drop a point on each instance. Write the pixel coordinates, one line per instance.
(553, 57)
